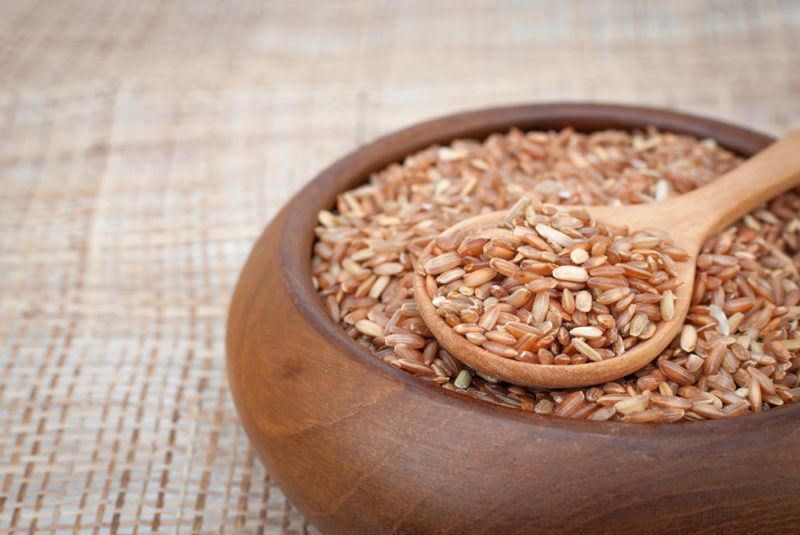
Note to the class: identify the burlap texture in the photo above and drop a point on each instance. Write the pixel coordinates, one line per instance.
(144, 145)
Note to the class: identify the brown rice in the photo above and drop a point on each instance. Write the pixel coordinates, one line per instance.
(737, 353)
(514, 288)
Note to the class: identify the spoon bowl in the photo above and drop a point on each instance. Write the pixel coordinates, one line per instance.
(689, 219)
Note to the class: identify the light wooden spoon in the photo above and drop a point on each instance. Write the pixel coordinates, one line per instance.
(689, 218)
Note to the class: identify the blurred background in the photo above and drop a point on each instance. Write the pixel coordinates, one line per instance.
(144, 145)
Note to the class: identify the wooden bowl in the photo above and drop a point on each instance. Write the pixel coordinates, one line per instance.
(361, 447)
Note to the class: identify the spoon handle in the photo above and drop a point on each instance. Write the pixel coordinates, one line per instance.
(766, 175)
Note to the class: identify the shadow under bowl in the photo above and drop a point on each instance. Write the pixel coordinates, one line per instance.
(361, 447)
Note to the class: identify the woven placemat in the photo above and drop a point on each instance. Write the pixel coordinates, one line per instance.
(143, 146)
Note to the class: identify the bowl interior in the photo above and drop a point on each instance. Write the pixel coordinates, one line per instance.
(355, 168)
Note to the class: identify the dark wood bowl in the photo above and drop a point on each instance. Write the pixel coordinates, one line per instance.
(361, 447)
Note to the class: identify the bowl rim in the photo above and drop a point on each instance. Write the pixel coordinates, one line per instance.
(355, 167)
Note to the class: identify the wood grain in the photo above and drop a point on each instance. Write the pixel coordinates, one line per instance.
(361, 447)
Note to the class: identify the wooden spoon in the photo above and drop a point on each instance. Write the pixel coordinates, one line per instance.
(689, 218)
